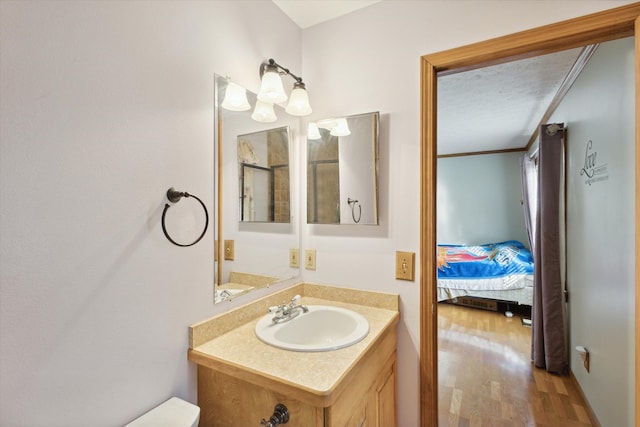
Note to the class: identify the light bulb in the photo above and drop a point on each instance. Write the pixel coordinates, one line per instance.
(271, 89)
(299, 101)
(313, 132)
(263, 112)
(341, 128)
(235, 98)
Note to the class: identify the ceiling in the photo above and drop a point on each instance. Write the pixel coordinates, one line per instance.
(488, 109)
(307, 13)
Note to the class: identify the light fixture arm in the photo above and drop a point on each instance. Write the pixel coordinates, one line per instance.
(279, 68)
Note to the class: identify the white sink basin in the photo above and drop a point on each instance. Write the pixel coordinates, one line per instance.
(322, 328)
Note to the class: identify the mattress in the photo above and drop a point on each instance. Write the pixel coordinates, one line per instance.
(501, 271)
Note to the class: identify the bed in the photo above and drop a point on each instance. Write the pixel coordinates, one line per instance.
(500, 271)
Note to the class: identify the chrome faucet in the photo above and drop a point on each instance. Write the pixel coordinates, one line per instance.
(285, 312)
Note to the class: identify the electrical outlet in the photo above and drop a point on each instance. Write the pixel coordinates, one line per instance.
(294, 258)
(310, 259)
(229, 250)
(405, 265)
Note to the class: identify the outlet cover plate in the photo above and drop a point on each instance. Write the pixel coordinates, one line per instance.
(310, 259)
(229, 250)
(294, 258)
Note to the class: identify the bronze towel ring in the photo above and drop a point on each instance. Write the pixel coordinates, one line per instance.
(174, 196)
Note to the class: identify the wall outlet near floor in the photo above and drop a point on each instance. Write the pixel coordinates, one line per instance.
(310, 259)
(405, 265)
(294, 258)
(229, 250)
(584, 355)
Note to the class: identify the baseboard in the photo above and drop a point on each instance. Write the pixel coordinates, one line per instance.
(590, 413)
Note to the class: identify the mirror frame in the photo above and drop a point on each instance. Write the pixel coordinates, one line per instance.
(218, 242)
(599, 27)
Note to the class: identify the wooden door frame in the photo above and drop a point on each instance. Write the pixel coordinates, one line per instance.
(595, 28)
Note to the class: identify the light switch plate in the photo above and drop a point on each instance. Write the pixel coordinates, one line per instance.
(405, 265)
(310, 259)
(229, 250)
(294, 258)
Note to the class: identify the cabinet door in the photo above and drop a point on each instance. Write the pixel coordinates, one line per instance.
(359, 417)
(384, 398)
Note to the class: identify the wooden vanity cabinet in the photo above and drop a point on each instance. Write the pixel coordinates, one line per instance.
(376, 407)
(230, 396)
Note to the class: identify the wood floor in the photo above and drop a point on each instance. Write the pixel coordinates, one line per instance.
(486, 377)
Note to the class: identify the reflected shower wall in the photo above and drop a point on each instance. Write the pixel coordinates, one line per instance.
(278, 160)
(323, 199)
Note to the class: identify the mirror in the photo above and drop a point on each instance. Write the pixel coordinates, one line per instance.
(263, 162)
(254, 206)
(342, 170)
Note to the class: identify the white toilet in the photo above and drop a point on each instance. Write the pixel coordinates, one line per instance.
(172, 413)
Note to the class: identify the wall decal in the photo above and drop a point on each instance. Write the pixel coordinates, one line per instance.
(593, 171)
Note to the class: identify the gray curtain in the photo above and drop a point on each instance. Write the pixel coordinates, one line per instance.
(549, 350)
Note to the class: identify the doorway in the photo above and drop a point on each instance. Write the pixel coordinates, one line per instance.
(596, 28)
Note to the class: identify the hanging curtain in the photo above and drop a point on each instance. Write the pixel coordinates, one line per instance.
(549, 350)
(529, 183)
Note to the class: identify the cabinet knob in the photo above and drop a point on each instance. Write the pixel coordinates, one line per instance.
(280, 416)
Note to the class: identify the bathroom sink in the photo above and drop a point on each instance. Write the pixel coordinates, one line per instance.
(322, 328)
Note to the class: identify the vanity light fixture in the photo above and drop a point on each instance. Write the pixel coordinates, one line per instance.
(235, 97)
(272, 90)
(336, 127)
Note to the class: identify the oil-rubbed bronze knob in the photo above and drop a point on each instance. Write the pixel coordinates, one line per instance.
(280, 416)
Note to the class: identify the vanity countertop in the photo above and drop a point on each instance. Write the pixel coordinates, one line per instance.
(228, 342)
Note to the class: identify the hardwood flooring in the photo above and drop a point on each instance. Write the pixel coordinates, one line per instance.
(486, 377)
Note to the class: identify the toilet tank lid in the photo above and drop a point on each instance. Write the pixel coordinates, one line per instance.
(172, 413)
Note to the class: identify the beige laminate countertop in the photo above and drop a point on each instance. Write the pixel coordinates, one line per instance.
(215, 343)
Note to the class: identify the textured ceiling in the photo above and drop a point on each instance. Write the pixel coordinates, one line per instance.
(498, 107)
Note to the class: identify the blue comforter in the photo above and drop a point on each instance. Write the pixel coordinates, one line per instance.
(484, 261)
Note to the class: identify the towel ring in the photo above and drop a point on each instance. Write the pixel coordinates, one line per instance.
(174, 196)
(352, 202)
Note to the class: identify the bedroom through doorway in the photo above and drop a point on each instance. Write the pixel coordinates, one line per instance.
(480, 353)
(484, 339)
(607, 26)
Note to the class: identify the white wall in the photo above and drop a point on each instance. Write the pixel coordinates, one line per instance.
(104, 106)
(600, 230)
(369, 61)
(479, 199)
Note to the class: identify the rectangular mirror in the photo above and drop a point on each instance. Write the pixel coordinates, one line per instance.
(263, 159)
(254, 196)
(342, 170)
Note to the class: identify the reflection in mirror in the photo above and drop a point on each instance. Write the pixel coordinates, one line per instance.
(261, 234)
(263, 159)
(342, 170)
